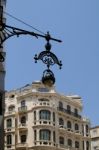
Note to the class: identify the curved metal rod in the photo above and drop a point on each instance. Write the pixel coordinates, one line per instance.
(48, 58)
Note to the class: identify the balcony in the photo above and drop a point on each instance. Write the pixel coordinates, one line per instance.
(40, 104)
(22, 145)
(22, 126)
(10, 113)
(9, 129)
(44, 144)
(22, 109)
(43, 122)
(69, 112)
(71, 131)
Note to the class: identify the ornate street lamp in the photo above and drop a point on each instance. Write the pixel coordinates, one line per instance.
(46, 56)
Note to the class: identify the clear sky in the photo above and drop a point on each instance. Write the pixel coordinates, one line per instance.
(76, 23)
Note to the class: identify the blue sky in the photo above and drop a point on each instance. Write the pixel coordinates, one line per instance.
(76, 23)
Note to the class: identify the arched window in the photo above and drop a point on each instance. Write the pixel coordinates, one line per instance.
(76, 144)
(68, 109)
(61, 140)
(45, 134)
(61, 121)
(9, 139)
(76, 127)
(9, 123)
(23, 119)
(69, 142)
(69, 125)
(45, 114)
(60, 105)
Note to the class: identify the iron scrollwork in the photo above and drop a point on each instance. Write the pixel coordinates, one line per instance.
(48, 58)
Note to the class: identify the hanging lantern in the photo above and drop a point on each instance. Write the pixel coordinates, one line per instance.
(48, 78)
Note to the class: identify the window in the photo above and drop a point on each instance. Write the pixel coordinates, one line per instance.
(11, 108)
(69, 125)
(87, 145)
(23, 119)
(34, 115)
(35, 135)
(9, 139)
(23, 138)
(76, 127)
(54, 138)
(9, 123)
(69, 142)
(61, 121)
(87, 128)
(60, 105)
(68, 109)
(76, 144)
(53, 116)
(45, 134)
(61, 140)
(76, 111)
(45, 114)
(23, 103)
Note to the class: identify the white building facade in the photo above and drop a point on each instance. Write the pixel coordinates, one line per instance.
(94, 138)
(39, 118)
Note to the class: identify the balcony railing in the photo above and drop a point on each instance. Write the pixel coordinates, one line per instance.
(68, 112)
(47, 104)
(44, 143)
(22, 145)
(22, 109)
(43, 122)
(22, 126)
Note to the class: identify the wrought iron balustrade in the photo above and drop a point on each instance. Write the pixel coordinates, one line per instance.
(22, 109)
(69, 112)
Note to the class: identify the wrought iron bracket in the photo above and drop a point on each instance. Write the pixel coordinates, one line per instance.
(8, 31)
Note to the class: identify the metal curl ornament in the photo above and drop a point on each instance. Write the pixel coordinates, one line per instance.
(48, 57)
